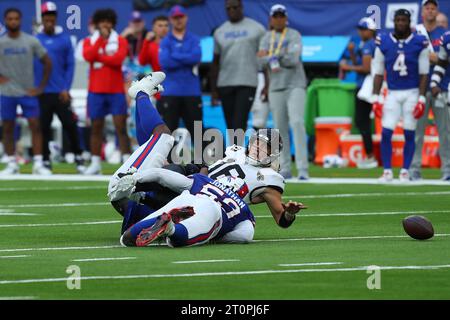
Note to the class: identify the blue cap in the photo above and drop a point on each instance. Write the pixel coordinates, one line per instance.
(367, 23)
(177, 11)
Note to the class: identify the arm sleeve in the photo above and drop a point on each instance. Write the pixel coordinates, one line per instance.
(144, 53)
(166, 178)
(378, 62)
(165, 59)
(442, 54)
(69, 66)
(117, 58)
(90, 52)
(424, 61)
(190, 58)
(292, 56)
(263, 45)
(38, 49)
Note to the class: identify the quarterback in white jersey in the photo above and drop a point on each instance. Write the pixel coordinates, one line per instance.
(257, 165)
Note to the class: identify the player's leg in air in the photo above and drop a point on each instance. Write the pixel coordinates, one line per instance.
(187, 220)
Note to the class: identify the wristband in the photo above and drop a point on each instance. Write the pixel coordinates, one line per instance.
(422, 99)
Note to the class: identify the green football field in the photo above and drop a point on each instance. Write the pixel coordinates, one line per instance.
(48, 227)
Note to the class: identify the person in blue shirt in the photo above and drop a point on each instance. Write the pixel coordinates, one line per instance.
(56, 97)
(430, 29)
(362, 60)
(179, 57)
(404, 56)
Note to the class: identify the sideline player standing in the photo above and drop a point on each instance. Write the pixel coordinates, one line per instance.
(430, 29)
(17, 50)
(404, 56)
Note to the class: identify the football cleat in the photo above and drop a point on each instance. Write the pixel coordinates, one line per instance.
(11, 168)
(93, 169)
(41, 170)
(149, 84)
(161, 228)
(404, 175)
(180, 214)
(387, 176)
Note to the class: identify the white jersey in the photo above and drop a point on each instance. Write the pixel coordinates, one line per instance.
(256, 178)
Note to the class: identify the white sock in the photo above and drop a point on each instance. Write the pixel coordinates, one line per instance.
(38, 160)
(96, 160)
(12, 160)
(403, 170)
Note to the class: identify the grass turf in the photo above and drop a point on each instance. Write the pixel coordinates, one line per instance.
(314, 238)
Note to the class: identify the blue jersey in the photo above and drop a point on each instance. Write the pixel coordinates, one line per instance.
(366, 48)
(445, 44)
(401, 59)
(234, 209)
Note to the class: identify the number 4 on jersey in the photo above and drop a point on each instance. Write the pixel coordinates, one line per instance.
(400, 65)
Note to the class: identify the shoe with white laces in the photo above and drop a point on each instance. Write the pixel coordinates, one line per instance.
(387, 176)
(41, 170)
(93, 169)
(11, 168)
(150, 84)
(367, 163)
(404, 176)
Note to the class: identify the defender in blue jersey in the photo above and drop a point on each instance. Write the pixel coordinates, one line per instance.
(404, 57)
(206, 209)
(434, 32)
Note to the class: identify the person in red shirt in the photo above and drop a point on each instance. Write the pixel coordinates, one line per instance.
(106, 51)
(150, 48)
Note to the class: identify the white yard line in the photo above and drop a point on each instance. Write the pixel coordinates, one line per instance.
(59, 224)
(206, 261)
(349, 214)
(18, 214)
(53, 188)
(13, 257)
(55, 177)
(309, 264)
(323, 196)
(231, 273)
(262, 240)
(424, 182)
(19, 298)
(47, 205)
(371, 194)
(60, 248)
(103, 259)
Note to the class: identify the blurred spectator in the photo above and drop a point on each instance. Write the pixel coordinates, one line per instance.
(150, 48)
(433, 32)
(361, 64)
(106, 50)
(279, 53)
(17, 52)
(135, 34)
(442, 20)
(179, 56)
(234, 72)
(56, 98)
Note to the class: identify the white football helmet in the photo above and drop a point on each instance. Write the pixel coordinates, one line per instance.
(255, 153)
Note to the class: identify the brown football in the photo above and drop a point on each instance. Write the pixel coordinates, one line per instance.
(418, 227)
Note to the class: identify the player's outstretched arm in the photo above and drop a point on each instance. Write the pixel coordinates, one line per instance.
(166, 178)
(284, 214)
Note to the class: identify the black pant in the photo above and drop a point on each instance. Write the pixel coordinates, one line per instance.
(236, 103)
(173, 108)
(364, 123)
(51, 104)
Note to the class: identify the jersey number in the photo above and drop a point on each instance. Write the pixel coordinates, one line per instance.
(227, 172)
(213, 193)
(400, 65)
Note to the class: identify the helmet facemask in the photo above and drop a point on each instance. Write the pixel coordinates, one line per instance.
(264, 149)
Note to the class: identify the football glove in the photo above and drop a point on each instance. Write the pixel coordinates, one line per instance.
(419, 109)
